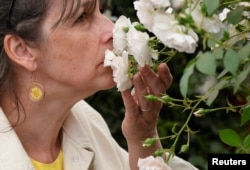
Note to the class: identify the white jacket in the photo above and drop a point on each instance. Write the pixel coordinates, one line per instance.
(87, 145)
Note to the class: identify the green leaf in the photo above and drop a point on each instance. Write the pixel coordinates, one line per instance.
(212, 96)
(241, 77)
(246, 142)
(214, 91)
(218, 53)
(248, 98)
(211, 43)
(222, 74)
(206, 63)
(235, 16)
(244, 53)
(188, 71)
(230, 137)
(231, 61)
(211, 6)
(245, 117)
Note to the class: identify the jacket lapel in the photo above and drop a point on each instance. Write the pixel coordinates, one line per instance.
(78, 154)
(12, 153)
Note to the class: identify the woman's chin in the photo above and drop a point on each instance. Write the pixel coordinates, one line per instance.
(105, 83)
(111, 85)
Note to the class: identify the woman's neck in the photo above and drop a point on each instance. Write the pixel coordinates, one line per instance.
(41, 137)
(38, 128)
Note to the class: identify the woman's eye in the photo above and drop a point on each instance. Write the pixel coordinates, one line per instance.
(81, 18)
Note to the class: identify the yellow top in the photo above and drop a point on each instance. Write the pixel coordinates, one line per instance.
(56, 165)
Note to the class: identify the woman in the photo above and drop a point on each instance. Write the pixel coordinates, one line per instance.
(52, 54)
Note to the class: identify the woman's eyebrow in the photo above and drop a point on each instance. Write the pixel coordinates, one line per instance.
(87, 6)
(72, 10)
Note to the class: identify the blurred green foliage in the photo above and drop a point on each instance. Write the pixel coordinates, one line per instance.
(110, 105)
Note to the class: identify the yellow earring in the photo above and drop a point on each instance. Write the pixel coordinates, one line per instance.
(36, 92)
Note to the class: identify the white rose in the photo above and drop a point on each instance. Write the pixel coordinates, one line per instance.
(210, 24)
(145, 13)
(177, 4)
(167, 29)
(244, 4)
(237, 36)
(160, 3)
(213, 24)
(223, 14)
(163, 23)
(119, 34)
(109, 56)
(182, 42)
(120, 67)
(151, 163)
(138, 46)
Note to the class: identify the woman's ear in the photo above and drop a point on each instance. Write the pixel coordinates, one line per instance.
(19, 52)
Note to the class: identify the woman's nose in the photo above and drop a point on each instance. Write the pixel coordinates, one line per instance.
(107, 29)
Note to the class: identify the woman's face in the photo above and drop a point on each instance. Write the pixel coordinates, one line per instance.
(71, 55)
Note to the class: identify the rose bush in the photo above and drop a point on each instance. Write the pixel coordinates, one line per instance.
(215, 33)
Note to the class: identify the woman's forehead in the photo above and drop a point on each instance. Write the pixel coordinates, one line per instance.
(67, 9)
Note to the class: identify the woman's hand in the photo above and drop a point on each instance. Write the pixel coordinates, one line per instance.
(141, 115)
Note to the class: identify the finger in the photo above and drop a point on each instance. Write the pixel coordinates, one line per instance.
(165, 75)
(153, 81)
(141, 90)
(134, 96)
